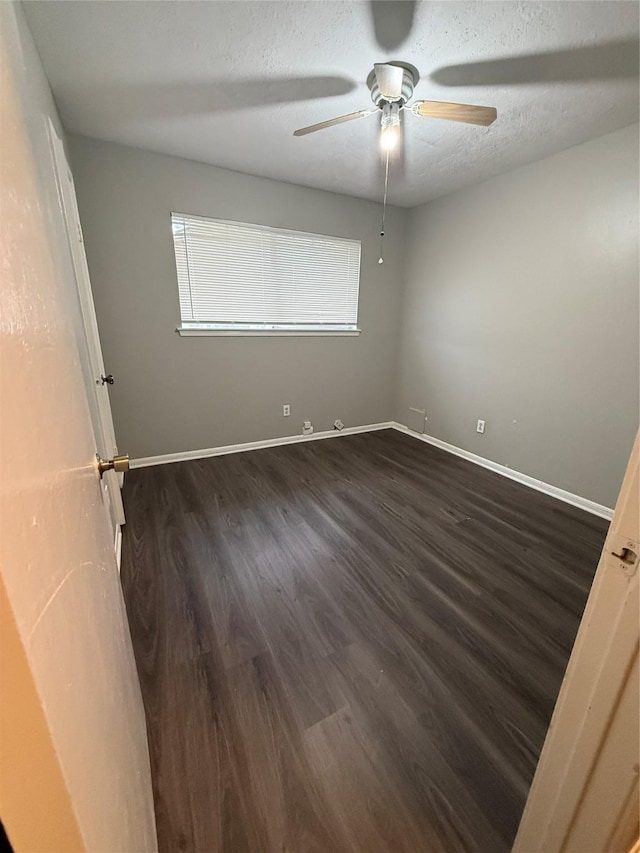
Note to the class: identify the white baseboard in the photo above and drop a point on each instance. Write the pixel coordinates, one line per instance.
(146, 461)
(539, 485)
(525, 479)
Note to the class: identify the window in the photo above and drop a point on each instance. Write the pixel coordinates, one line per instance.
(236, 278)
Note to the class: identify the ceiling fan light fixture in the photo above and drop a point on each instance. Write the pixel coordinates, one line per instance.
(390, 127)
(389, 138)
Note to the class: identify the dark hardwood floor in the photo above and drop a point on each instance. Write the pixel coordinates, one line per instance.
(348, 645)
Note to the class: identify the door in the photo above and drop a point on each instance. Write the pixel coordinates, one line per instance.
(584, 796)
(77, 761)
(97, 381)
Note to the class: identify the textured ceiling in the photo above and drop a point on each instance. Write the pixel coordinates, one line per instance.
(227, 82)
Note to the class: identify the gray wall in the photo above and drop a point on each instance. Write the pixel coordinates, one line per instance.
(175, 394)
(521, 307)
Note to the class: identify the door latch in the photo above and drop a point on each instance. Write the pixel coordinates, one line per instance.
(627, 555)
(625, 551)
(108, 379)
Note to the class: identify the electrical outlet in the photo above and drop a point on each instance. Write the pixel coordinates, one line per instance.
(286, 410)
(480, 426)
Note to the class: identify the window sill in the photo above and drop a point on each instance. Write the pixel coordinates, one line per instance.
(205, 331)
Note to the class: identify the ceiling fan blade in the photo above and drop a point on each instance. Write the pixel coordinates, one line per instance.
(455, 112)
(330, 123)
(389, 79)
(392, 21)
(613, 60)
(161, 99)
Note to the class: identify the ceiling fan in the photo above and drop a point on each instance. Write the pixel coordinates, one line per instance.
(391, 85)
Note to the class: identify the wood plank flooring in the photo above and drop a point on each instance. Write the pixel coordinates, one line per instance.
(348, 645)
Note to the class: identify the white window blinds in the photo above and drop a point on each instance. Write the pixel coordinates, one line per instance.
(234, 275)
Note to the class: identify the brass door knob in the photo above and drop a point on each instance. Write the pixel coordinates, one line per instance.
(118, 463)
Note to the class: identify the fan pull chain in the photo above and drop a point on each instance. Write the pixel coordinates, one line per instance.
(384, 209)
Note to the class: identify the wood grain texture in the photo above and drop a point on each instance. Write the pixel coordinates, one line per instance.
(467, 113)
(348, 645)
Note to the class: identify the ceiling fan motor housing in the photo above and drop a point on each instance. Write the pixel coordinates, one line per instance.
(408, 83)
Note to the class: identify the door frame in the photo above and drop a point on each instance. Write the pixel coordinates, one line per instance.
(581, 733)
(103, 426)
